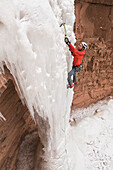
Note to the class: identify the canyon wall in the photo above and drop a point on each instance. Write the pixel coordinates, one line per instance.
(18, 134)
(94, 25)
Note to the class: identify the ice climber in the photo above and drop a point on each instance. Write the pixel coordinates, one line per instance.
(78, 56)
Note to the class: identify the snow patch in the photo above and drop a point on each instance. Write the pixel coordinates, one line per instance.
(94, 136)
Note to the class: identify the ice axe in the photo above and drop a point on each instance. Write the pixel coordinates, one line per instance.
(63, 24)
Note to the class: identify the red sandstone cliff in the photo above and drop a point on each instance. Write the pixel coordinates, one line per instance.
(94, 24)
(14, 130)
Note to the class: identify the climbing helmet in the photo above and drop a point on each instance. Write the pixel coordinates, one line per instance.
(84, 45)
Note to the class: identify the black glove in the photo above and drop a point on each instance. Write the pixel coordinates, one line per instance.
(67, 41)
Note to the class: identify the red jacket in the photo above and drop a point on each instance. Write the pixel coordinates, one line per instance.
(78, 55)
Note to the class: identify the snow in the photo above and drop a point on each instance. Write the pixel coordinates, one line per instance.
(94, 135)
(33, 49)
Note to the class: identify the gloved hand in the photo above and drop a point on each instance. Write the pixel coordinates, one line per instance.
(67, 40)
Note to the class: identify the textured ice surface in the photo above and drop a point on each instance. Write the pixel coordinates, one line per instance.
(33, 49)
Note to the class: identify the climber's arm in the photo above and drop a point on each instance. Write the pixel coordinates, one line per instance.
(80, 53)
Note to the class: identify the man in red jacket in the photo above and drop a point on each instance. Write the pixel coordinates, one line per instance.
(78, 56)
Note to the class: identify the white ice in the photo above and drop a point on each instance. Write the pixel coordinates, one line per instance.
(2, 117)
(33, 49)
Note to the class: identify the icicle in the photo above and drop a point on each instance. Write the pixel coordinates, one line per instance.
(2, 117)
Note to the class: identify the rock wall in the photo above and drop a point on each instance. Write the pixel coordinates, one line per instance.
(14, 131)
(94, 24)
(105, 2)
